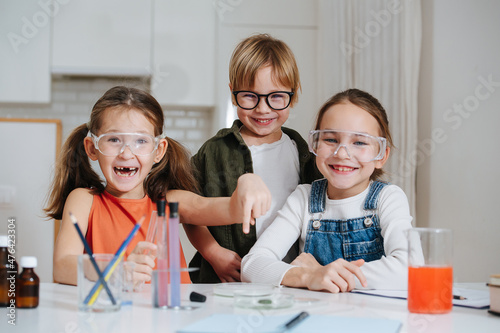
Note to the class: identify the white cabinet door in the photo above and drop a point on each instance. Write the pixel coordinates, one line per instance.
(24, 52)
(27, 169)
(103, 37)
(184, 52)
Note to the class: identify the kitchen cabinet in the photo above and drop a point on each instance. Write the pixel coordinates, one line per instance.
(25, 52)
(184, 52)
(96, 37)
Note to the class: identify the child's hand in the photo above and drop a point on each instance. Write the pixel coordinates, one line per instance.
(226, 264)
(306, 260)
(250, 200)
(143, 255)
(337, 276)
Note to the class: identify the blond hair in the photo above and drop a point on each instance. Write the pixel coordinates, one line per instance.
(258, 51)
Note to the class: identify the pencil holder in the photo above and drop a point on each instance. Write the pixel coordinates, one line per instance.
(87, 279)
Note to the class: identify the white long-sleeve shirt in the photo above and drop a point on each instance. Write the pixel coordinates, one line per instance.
(263, 263)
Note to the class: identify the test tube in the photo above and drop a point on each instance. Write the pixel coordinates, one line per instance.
(162, 262)
(150, 237)
(174, 255)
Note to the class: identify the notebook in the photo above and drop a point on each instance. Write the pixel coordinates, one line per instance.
(477, 299)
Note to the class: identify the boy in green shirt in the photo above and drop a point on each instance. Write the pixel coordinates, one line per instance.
(264, 81)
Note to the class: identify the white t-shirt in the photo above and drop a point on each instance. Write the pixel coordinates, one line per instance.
(278, 165)
(263, 263)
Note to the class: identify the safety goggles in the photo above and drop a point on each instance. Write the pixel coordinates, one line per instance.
(113, 144)
(360, 146)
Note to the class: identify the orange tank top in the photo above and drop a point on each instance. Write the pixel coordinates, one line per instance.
(111, 219)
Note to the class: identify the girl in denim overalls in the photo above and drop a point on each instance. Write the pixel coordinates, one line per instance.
(350, 225)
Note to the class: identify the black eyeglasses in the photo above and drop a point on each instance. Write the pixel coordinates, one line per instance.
(248, 100)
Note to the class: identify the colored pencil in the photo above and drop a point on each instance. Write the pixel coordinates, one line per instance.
(459, 297)
(94, 293)
(91, 256)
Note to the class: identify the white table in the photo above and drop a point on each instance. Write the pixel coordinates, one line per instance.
(58, 313)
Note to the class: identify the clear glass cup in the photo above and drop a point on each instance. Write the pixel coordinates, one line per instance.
(430, 270)
(91, 296)
(128, 282)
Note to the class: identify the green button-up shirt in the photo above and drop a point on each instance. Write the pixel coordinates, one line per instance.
(218, 165)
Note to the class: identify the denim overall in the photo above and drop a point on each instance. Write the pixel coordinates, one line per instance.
(351, 239)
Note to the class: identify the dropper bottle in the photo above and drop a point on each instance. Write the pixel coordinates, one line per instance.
(28, 284)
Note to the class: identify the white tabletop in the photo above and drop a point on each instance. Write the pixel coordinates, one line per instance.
(58, 312)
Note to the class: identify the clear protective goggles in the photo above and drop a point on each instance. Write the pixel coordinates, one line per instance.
(360, 146)
(113, 144)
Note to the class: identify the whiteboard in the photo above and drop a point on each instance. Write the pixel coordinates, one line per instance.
(28, 148)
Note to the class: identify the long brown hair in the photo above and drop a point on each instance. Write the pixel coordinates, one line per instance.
(368, 103)
(73, 169)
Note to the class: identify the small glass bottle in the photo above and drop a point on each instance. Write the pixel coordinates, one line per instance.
(28, 284)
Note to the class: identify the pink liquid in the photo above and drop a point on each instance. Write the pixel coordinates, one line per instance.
(162, 282)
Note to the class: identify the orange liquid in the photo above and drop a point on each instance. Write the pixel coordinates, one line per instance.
(430, 289)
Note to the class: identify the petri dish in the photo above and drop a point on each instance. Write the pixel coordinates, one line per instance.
(263, 302)
(229, 289)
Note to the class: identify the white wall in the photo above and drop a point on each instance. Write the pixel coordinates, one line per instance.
(458, 174)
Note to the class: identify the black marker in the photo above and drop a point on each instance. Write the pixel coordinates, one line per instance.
(196, 297)
(296, 320)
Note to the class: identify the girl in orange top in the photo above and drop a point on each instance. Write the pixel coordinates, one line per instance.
(140, 165)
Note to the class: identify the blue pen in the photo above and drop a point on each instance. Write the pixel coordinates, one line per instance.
(295, 321)
(91, 256)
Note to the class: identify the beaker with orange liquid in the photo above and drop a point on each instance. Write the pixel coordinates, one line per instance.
(430, 270)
